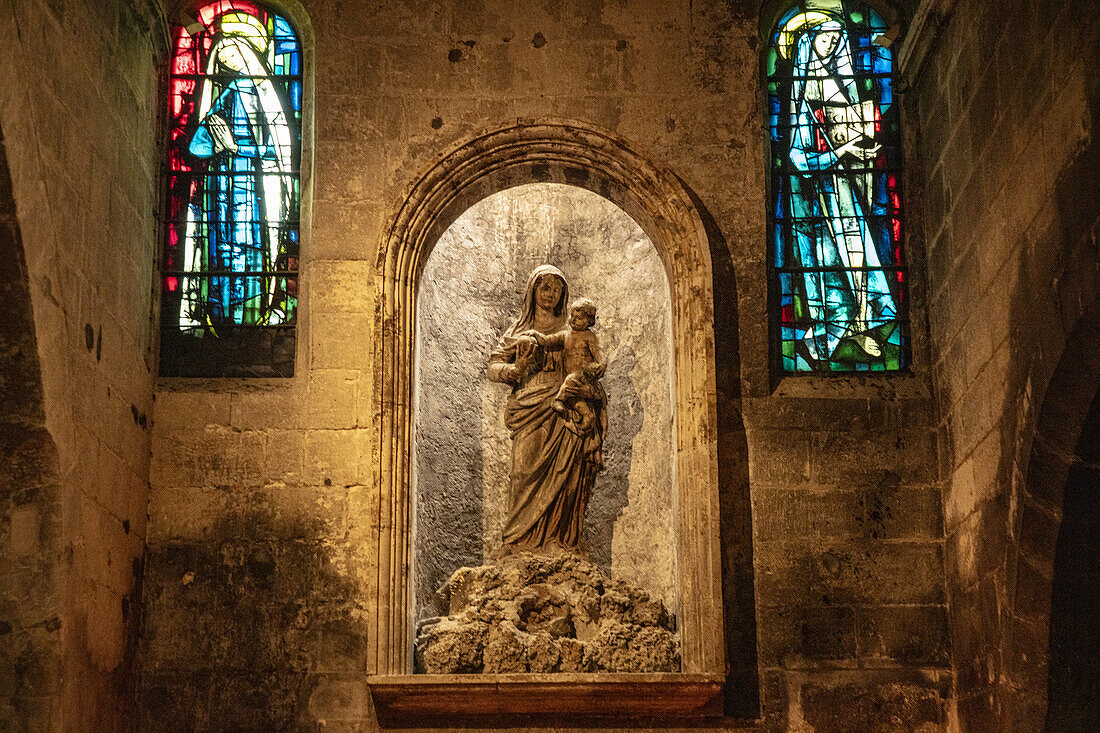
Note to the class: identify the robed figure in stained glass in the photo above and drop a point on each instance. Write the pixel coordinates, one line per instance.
(835, 237)
(237, 215)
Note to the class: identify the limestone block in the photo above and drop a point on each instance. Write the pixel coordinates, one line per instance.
(267, 409)
(874, 572)
(340, 340)
(340, 286)
(332, 398)
(334, 456)
(23, 529)
(284, 456)
(904, 634)
(174, 410)
(799, 636)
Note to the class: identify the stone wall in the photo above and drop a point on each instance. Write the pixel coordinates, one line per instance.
(77, 95)
(263, 516)
(470, 293)
(1008, 104)
(30, 516)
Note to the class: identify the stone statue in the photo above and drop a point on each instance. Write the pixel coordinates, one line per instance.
(557, 421)
(535, 608)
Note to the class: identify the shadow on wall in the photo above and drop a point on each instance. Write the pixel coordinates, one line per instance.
(1074, 678)
(625, 416)
(469, 294)
(30, 499)
(1055, 638)
(245, 621)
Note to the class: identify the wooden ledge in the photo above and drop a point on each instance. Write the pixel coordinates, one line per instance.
(421, 698)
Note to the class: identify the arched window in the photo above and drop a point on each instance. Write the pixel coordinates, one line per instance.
(838, 278)
(230, 269)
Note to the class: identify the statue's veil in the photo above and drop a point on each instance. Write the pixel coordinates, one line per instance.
(526, 319)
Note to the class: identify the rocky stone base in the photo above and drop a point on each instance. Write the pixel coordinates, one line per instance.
(536, 613)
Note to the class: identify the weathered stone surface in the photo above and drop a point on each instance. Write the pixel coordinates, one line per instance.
(1000, 159)
(77, 245)
(876, 708)
(545, 613)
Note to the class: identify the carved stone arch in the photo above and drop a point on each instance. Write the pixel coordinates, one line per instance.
(892, 11)
(1063, 425)
(576, 154)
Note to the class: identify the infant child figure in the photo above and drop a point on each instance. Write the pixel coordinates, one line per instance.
(582, 363)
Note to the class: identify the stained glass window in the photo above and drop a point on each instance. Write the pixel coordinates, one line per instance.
(230, 270)
(835, 215)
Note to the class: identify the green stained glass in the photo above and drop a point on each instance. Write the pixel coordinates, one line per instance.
(233, 190)
(836, 201)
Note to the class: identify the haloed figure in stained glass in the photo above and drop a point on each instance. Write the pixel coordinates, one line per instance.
(234, 220)
(833, 223)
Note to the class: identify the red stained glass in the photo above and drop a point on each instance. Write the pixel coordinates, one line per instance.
(207, 13)
(234, 104)
(822, 144)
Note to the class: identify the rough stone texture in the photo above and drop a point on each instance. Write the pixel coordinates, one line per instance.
(77, 96)
(257, 565)
(1073, 662)
(30, 498)
(532, 613)
(471, 290)
(845, 498)
(1008, 158)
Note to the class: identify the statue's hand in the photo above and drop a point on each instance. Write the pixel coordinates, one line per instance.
(525, 349)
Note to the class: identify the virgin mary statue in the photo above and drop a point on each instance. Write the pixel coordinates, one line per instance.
(233, 221)
(554, 462)
(832, 148)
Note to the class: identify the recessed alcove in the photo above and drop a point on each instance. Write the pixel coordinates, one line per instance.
(666, 212)
(471, 290)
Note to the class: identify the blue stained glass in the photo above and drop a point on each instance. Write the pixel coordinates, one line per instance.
(232, 251)
(836, 218)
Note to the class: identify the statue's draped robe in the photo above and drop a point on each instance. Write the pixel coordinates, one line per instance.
(553, 466)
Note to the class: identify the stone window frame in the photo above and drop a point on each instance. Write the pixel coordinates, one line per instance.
(577, 154)
(179, 12)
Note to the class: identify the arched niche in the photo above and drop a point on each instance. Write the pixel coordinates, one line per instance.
(472, 285)
(580, 155)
